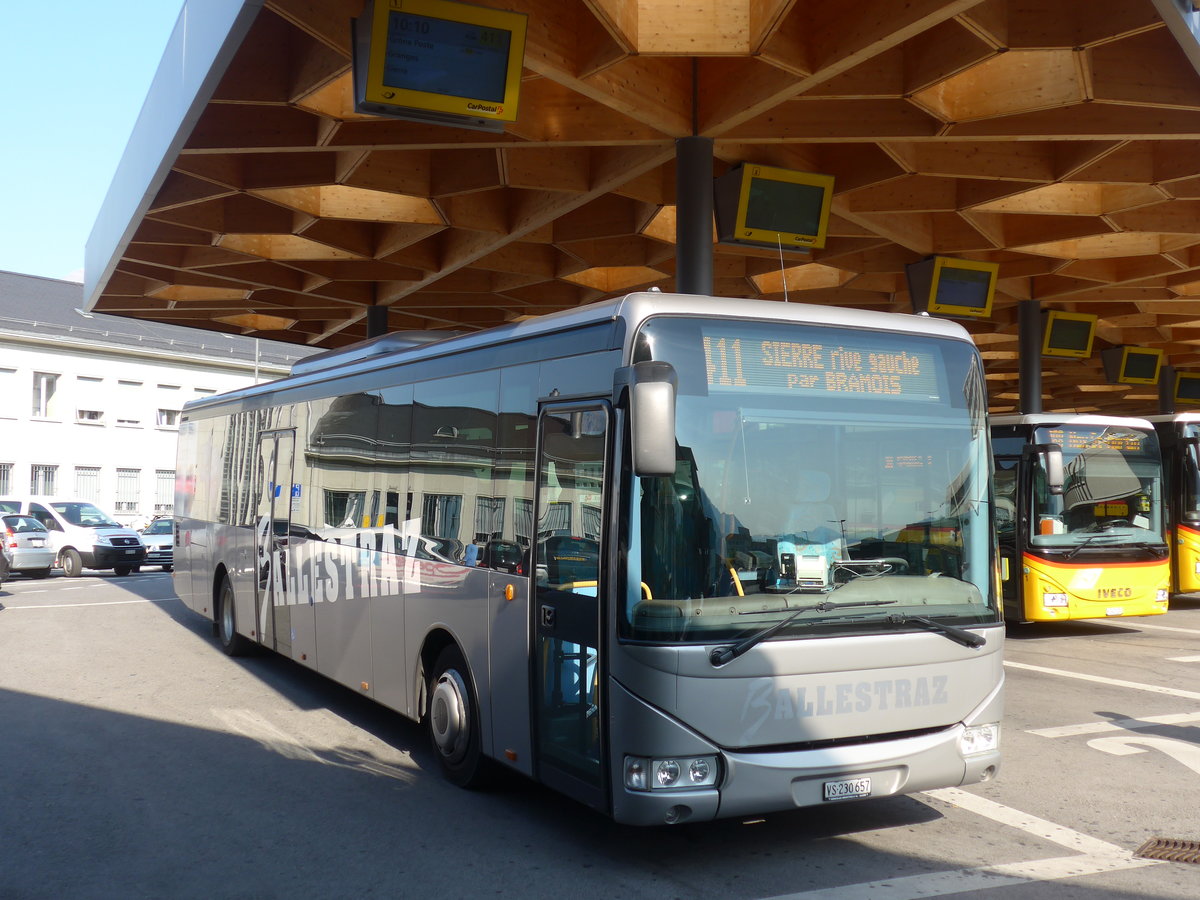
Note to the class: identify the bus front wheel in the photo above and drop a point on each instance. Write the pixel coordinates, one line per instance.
(232, 643)
(454, 721)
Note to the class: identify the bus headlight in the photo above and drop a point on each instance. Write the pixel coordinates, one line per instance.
(1049, 599)
(979, 739)
(673, 773)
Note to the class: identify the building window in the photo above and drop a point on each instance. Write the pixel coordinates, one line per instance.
(129, 403)
(6, 478)
(164, 492)
(87, 482)
(42, 480)
(128, 490)
(441, 514)
(168, 418)
(489, 518)
(90, 416)
(9, 396)
(89, 400)
(44, 386)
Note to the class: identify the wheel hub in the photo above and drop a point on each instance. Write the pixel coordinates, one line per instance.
(448, 715)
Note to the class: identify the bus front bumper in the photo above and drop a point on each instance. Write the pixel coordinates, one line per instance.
(762, 782)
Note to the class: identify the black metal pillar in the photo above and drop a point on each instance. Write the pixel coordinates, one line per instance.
(1029, 355)
(1166, 390)
(377, 321)
(694, 215)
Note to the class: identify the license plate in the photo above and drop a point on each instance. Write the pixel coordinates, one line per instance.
(848, 789)
(37, 542)
(1115, 611)
(130, 552)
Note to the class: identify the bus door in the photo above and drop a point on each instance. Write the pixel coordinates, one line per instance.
(567, 608)
(272, 521)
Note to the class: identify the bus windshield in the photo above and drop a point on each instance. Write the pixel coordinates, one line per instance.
(812, 463)
(1112, 488)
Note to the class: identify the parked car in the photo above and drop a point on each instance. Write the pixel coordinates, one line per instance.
(26, 545)
(81, 534)
(159, 538)
(4, 563)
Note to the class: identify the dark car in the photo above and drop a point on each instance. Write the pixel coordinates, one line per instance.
(159, 538)
(504, 556)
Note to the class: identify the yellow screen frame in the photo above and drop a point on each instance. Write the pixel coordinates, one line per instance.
(1126, 352)
(1053, 315)
(742, 232)
(1180, 378)
(375, 91)
(942, 263)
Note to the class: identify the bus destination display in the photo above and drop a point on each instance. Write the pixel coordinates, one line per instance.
(1076, 440)
(739, 363)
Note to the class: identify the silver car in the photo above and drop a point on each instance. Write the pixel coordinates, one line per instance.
(27, 545)
(159, 538)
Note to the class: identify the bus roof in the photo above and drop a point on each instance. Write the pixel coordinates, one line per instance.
(633, 309)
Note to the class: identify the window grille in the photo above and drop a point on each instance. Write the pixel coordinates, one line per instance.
(164, 492)
(42, 480)
(87, 482)
(128, 490)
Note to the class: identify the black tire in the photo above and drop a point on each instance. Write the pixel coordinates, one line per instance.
(135, 568)
(122, 570)
(72, 563)
(38, 573)
(453, 721)
(232, 643)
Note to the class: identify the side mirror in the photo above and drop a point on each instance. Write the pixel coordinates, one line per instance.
(1052, 458)
(652, 388)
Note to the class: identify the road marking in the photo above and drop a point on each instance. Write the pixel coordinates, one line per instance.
(1099, 679)
(1183, 658)
(1162, 627)
(1095, 857)
(1116, 725)
(97, 603)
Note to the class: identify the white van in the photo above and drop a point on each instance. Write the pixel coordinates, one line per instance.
(82, 535)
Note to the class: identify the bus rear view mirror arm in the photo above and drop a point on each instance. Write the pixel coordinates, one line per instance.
(652, 388)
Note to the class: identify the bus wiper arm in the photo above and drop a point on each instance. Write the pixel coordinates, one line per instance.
(719, 656)
(958, 635)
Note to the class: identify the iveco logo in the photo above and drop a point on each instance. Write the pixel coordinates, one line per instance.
(1114, 593)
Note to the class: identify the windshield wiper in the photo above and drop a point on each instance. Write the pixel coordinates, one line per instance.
(1086, 541)
(958, 635)
(719, 656)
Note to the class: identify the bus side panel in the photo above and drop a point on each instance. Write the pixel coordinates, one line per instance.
(1094, 592)
(1185, 550)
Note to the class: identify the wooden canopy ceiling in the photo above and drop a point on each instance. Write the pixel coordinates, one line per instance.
(1060, 140)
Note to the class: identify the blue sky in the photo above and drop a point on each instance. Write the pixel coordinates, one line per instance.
(73, 77)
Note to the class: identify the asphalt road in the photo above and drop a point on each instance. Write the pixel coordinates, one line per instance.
(136, 760)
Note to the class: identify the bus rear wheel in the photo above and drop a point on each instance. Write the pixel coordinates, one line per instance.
(232, 643)
(453, 721)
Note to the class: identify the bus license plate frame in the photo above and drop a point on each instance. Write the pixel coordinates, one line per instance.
(847, 789)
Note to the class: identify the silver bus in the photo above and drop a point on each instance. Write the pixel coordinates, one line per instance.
(677, 557)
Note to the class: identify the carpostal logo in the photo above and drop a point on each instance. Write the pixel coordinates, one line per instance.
(765, 700)
(485, 108)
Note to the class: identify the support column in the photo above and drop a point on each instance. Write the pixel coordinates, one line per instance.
(377, 321)
(694, 215)
(1166, 390)
(1029, 350)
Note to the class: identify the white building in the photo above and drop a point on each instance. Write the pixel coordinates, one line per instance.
(90, 403)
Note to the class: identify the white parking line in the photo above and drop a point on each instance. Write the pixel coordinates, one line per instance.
(1099, 679)
(97, 603)
(1095, 857)
(1162, 627)
(1116, 725)
(1183, 658)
